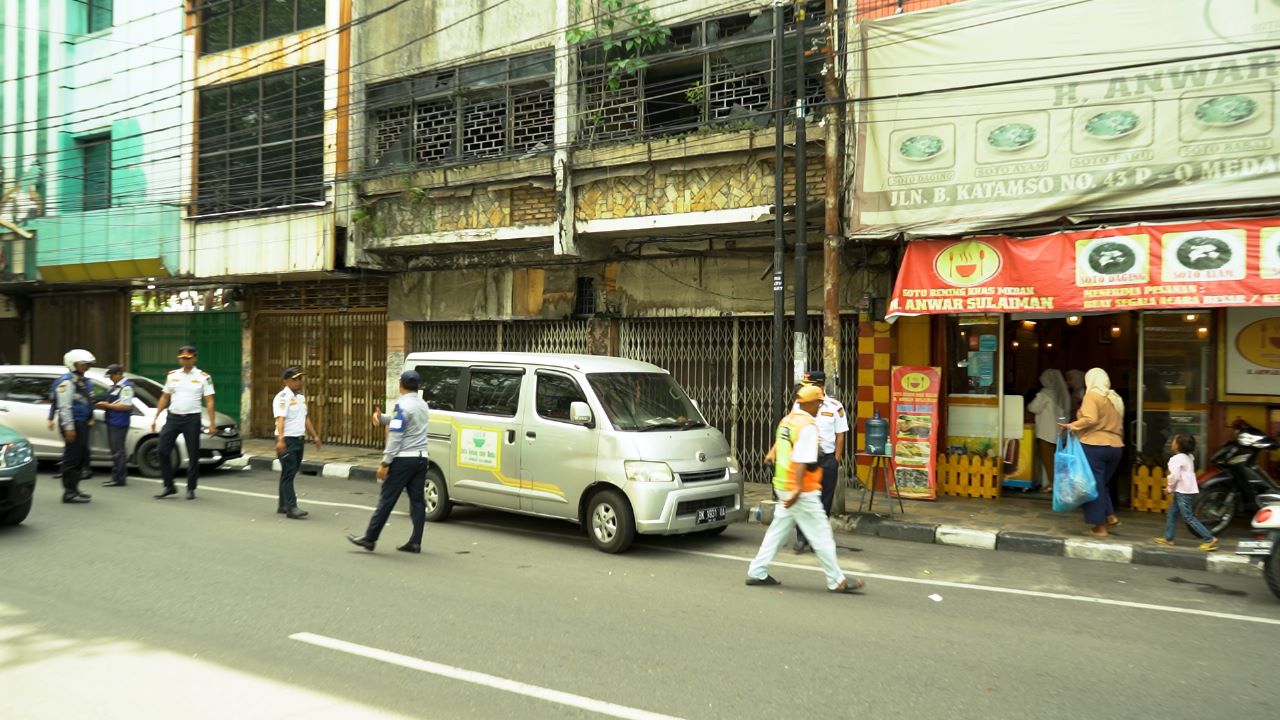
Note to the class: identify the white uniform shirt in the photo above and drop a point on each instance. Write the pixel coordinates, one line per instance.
(187, 391)
(293, 408)
(830, 420)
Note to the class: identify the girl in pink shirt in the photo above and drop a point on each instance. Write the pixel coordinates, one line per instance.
(1182, 484)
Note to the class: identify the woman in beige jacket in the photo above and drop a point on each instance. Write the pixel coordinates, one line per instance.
(1100, 425)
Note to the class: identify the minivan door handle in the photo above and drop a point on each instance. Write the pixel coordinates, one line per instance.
(511, 437)
(530, 434)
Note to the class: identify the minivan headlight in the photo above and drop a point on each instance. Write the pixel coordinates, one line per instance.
(642, 471)
(228, 431)
(15, 454)
(734, 465)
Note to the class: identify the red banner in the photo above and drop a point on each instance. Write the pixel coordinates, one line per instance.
(1132, 267)
(914, 430)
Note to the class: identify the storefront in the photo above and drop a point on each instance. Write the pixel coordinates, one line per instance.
(1184, 317)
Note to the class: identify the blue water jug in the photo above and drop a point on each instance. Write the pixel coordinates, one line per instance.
(877, 435)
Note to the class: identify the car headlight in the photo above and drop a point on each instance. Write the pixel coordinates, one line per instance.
(641, 471)
(227, 431)
(734, 465)
(15, 454)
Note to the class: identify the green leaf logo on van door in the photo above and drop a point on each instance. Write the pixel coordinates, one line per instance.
(479, 441)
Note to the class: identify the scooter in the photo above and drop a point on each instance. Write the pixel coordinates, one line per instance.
(1266, 540)
(1235, 489)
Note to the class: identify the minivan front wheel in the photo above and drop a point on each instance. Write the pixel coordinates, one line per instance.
(147, 457)
(436, 494)
(15, 514)
(610, 523)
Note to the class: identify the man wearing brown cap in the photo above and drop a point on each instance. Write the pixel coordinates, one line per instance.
(186, 391)
(293, 426)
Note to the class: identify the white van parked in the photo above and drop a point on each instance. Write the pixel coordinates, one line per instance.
(613, 444)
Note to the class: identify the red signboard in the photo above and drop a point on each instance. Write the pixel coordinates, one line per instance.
(914, 429)
(1133, 267)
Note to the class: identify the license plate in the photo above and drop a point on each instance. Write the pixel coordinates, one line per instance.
(232, 448)
(711, 514)
(1254, 546)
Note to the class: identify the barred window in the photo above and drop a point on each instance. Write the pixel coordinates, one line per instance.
(262, 142)
(710, 74)
(226, 24)
(95, 165)
(489, 110)
(97, 15)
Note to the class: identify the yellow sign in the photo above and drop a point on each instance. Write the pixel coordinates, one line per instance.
(1259, 343)
(915, 382)
(966, 264)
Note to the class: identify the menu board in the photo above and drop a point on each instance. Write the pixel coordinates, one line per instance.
(914, 429)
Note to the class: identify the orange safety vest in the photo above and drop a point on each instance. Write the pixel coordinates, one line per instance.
(788, 431)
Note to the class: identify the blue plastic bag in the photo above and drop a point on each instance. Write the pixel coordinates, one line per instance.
(1073, 481)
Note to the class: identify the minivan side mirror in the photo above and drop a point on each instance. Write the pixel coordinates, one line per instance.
(579, 413)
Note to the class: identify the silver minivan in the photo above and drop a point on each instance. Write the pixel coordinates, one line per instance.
(613, 444)
(24, 407)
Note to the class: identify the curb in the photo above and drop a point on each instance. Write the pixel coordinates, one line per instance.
(874, 525)
(1050, 545)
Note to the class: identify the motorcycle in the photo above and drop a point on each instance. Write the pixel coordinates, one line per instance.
(1240, 482)
(1266, 540)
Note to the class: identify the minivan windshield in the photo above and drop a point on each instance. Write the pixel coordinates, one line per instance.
(642, 402)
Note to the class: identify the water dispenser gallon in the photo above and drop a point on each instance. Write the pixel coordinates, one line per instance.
(877, 435)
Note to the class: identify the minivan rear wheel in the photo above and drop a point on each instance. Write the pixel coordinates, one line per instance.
(437, 496)
(610, 522)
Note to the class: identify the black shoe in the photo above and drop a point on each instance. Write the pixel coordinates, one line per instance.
(86, 474)
(112, 483)
(167, 492)
(75, 499)
(410, 548)
(296, 514)
(86, 496)
(801, 547)
(282, 510)
(366, 544)
(191, 494)
(768, 580)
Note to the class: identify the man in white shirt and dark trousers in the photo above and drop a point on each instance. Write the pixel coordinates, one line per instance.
(293, 426)
(185, 391)
(404, 465)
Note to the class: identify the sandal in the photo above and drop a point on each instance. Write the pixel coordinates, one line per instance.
(1096, 533)
(1162, 541)
(850, 586)
(1209, 545)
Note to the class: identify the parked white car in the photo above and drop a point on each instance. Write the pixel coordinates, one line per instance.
(24, 407)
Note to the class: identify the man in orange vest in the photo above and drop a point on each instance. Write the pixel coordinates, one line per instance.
(798, 481)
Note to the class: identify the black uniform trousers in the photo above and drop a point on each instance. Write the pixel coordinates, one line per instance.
(188, 426)
(290, 462)
(830, 479)
(74, 456)
(407, 474)
(116, 436)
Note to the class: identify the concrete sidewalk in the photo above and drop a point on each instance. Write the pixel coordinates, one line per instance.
(1017, 523)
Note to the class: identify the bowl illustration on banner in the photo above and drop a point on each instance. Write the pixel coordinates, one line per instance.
(1011, 137)
(1226, 110)
(968, 263)
(921, 147)
(1203, 253)
(1111, 258)
(1112, 124)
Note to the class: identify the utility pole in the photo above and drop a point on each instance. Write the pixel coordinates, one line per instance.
(778, 385)
(801, 339)
(832, 242)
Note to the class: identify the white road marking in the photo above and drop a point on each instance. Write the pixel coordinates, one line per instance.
(479, 678)
(877, 576)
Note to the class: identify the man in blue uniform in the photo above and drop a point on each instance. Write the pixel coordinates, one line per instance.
(119, 411)
(404, 465)
(73, 402)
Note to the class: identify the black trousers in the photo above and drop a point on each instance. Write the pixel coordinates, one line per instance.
(290, 461)
(74, 456)
(119, 456)
(409, 475)
(188, 426)
(830, 479)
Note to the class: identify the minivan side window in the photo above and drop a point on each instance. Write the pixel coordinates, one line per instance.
(554, 394)
(493, 392)
(439, 386)
(29, 389)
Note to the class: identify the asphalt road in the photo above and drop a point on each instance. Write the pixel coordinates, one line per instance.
(218, 608)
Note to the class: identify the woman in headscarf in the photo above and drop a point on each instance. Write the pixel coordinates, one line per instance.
(1050, 406)
(1100, 425)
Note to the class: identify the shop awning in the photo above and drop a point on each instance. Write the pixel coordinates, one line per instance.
(112, 270)
(1222, 263)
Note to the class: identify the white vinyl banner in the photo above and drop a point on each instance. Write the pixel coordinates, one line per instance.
(998, 113)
